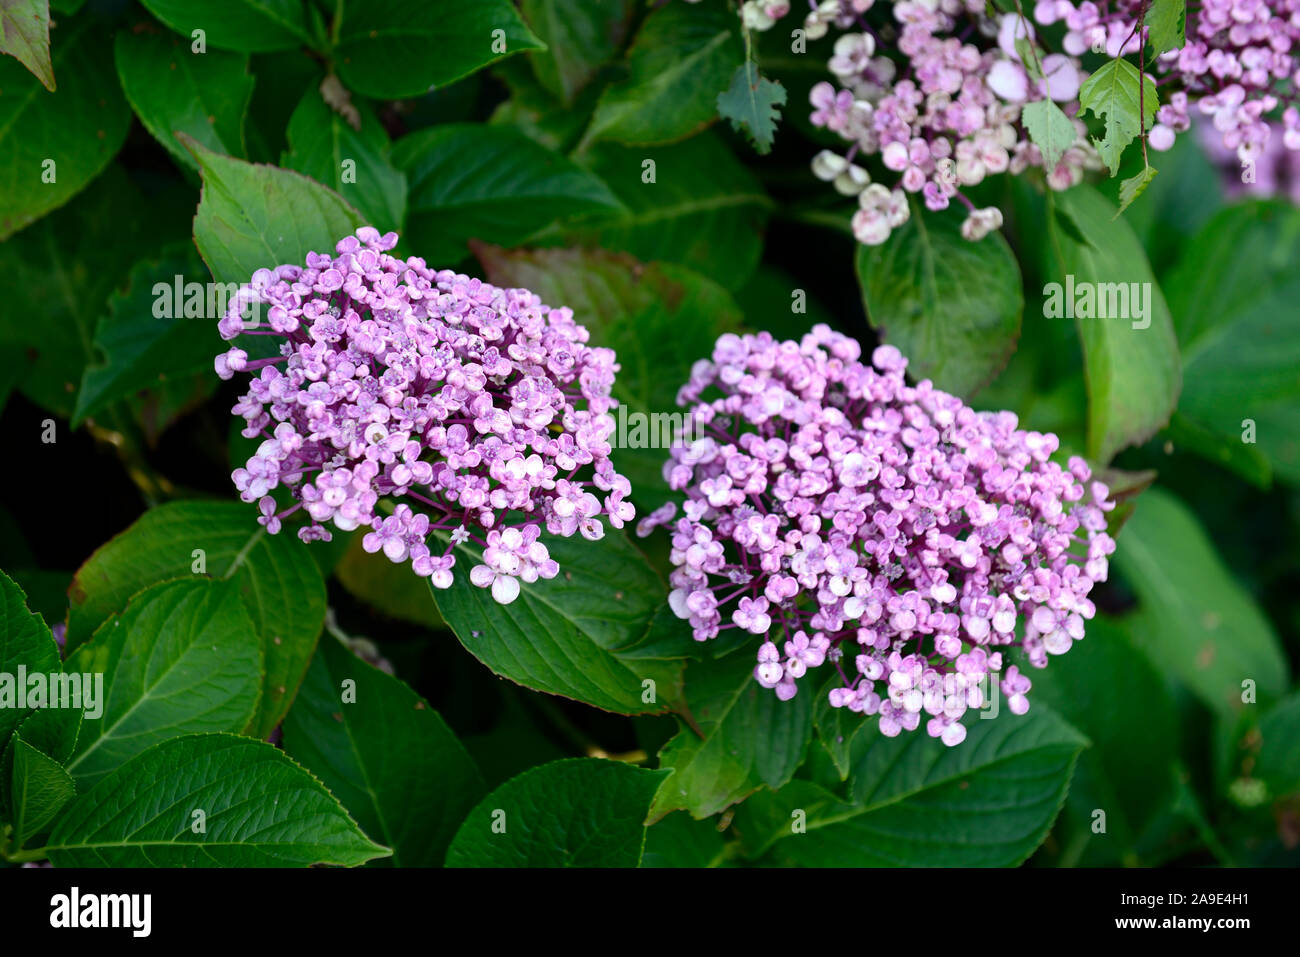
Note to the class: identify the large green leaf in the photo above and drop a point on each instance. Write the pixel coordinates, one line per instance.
(838, 727)
(138, 348)
(1131, 360)
(916, 803)
(704, 209)
(1233, 297)
(1278, 761)
(39, 790)
(259, 809)
(24, 641)
(580, 37)
(659, 318)
(280, 584)
(583, 812)
(491, 183)
(566, 635)
(741, 738)
(1196, 621)
(681, 841)
(253, 216)
(53, 143)
(951, 306)
(25, 34)
(172, 89)
(384, 753)
(1106, 689)
(390, 49)
(246, 25)
(84, 251)
(321, 142)
(682, 58)
(182, 658)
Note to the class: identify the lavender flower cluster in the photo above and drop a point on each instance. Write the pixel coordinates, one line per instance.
(836, 510)
(1238, 66)
(408, 400)
(945, 117)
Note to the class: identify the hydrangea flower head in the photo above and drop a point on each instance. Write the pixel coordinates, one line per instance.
(843, 515)
(406, 400)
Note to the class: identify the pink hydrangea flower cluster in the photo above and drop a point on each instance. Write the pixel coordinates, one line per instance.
(408, 400)
(942, 111)
(840, 514)
(1238, 67)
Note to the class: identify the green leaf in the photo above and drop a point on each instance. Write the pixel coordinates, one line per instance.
(1028, 58)
(565, 635)
(182, 658)
(1233, 297)
(1049, 129)
(536, 112)
(1105, 688)
(1133, 187)
(1165, 21)
(172, 89)
(580, 36)
(39, 790)
(702, 209)
(753, 103)
(952, 306)
(988, 802)
(321, 142)
(742, 738)
(84, 251)
(659, 319)
(260, 809)
(25, 34)
(53, 144)
(141, 350)
(1196, 621)
(390, 49)
(253, 216)
(491, 183)
(1278, 760)
(390, 589)
(51, 731)
(837, 727)
(681, 841)
(1112, 94)
(682, 58)
(384, 753)
(1130, 355)
(25, 641)
(280, 584)
(583, 812)
(244, 25)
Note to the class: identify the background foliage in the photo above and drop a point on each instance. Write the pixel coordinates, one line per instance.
(521, 156)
